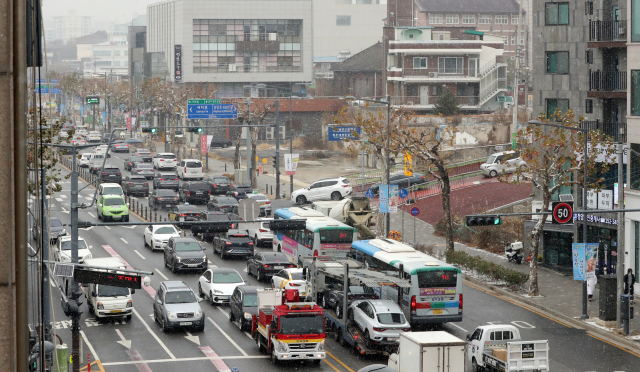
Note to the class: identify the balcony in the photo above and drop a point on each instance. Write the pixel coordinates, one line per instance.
(452, 74)
(616, 130)
(429, 101)
(607, 34)
(607, 84)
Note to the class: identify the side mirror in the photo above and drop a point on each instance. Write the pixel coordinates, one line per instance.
(133, 291)
(127, 205)
(468, 338)
(146, 281)
(93, 293)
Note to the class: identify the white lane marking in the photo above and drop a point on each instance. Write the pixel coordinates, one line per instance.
(162, 275)
(223, 312)
(130, 227)
(88, 198)
(123, 341)
(138, 253)
(91, 214)
(64, 196)
(227, 336)
(248, 335)
(125, 242)
(86, 340)
(108, 228)
(153, 334)
(245, 270)
(59, 199)
(147, 361)
(460, 328)
(192, 338)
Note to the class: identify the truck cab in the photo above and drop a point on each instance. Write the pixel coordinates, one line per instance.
(106, 301)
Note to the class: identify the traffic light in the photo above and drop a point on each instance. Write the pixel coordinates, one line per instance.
(275, 161)
(194, 129)
(149, 130)
(483, 220)
(71, 308)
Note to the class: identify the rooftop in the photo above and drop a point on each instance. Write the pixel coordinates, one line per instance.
(468, 6)
(370, 59)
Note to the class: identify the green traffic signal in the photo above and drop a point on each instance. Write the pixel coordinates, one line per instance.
(199, 130)
(484, 220)
(153, 130)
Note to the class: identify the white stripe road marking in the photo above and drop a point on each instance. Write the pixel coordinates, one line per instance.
(153, 334)
(223, 312)
(138, 253)
(91, 214)
(59, 199)
(460, 328)
(185, 359)
(227, 336)
(161, 274)
(63, 196)
(125, 242)
(108, 228)
(86, 340)
(248, 335)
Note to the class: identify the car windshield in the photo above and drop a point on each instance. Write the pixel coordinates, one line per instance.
(111, 291)
(198, 186)
(194, 164)
(112, 191)
(239, 238)
(55, 223)
(169, 176)
(226, 278)
(227, 201)
(391, 318)
(166, 193)
(166, 230)
(250, 300)
(135, 158)
(113, 201)
(180, 297)
(168, 156)
(258, 197)
(144, 166)
(220, 179)
(296, 276)
(491, 159)
(66, 244)
(301, 324)
(137, 179)
(187, 247)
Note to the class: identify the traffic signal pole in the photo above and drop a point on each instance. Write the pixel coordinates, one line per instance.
(75, 320)
(277, 134)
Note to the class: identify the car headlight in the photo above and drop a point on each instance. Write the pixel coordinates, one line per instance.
(171, 315)
(217, 291)
(204, 257)
(87, 256)
(157, 240)
(321, 346)
(179, 259)
(199, 313)
(247, 316)
(63, 232)
(282, 346)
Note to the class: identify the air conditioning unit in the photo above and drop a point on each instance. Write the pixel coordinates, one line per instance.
(622, 30)
(232, 67)
(273, 36)
(271, 130)
(433, 74)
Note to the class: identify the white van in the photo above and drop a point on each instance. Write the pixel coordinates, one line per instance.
(501, 163)
(95, 162)
(109, 189)
(190, 169)
(108, 301)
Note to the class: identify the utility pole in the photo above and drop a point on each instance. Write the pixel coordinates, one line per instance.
(621, 248)
(206, 128)
(248, 141)
(75, 320)
(277, 134)
(388, 224)
(514, 89)
(290, 137)
(45, 288)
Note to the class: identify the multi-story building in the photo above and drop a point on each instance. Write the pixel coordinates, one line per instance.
(233, 44)
(142, 64)
(111, 57)
(69, 27)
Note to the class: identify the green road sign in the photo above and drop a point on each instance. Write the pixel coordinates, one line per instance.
(204, 101)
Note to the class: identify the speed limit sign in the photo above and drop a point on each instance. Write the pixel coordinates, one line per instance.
(562, 212)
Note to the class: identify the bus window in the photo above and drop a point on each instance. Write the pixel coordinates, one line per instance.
(308, 238)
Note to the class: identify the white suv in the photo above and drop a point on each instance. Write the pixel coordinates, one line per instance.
(191, 169)
(165, 160)
(382, 321)
(501, 163)
(329, 188)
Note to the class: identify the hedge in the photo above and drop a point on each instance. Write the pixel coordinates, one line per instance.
(486, 268)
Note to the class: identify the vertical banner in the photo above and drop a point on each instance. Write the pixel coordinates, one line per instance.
(133, 122)
(129, 123)
(407, 165)
(577, 250)
(383, 192)
(394, 200)
(209, 139)
(591, 259)
(203, 144)
(177, 77)
(291, 163)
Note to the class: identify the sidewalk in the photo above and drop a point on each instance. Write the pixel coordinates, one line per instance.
(560, 294)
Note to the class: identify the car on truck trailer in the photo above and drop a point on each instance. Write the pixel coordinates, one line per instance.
(288, 329)
(435, 351)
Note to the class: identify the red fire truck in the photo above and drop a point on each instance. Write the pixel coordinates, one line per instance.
(288, 329)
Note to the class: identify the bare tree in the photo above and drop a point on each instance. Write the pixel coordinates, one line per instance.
(251, 115)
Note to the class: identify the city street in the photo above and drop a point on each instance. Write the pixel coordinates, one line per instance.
(140, 344)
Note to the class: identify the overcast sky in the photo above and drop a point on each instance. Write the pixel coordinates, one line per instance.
(118, 11)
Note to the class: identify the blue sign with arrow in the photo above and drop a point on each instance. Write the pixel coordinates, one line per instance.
(369, 193)
(403, 193)
(212, 111)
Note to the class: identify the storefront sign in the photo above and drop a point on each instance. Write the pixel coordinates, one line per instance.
(291, 163)
(178, 63)
(605, 199)
(595, 219)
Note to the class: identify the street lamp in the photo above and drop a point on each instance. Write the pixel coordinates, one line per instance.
(584, 199)
(388, 103)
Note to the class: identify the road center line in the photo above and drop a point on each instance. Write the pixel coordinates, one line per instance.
(86, 341)
(125, 242)
(161, 274)
(138, 253)
(332, 366)
(227, 336)
(108, 228)
(460, 328)
(223, 312)
(339, 361)
(153, 334)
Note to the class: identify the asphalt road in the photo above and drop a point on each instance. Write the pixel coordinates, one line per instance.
(222, 346)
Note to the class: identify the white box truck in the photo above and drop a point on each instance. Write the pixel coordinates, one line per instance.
(105, 300)
(435, 351)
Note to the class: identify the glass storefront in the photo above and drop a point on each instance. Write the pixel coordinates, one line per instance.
(607, 240)
(557, 250)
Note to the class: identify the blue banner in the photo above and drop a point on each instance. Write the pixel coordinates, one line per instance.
(342, 133)
(383, 192)
(578, 251)
(393, 199)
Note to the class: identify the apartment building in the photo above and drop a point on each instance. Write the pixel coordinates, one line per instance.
(111, 57)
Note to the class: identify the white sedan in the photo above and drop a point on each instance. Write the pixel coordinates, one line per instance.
(62, 250)
(290, 279)
(156, 236)
(94, 136)
(218, 284)
(84, 160)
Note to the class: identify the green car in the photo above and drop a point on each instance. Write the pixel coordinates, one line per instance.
(112, 207)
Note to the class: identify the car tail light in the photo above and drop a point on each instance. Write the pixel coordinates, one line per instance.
(188, 193)
(268, 202)
(161, 159)
(146, 184)
(423, 177)
(291, 265)
(184, 215)
(130, 183)
(209, 192)
(263, 230)
(265, 265)
(104, 173)
(228, 243)
(119, 174)
(315, 253)
(347, 186)
(214, 185)
(460, 309)
(161, 179)
(185, 169)
(203, 169)
(296, 285)
(406, 329)
(176, 198)
(378, 329)
(231, 185)
(250, 243)
(175, 179)
(413, 304)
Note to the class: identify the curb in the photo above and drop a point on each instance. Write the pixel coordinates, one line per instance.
(620, 342)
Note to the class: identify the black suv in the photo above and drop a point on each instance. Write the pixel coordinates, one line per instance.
(184, 254)
(239, 192)
(111, 173)
(194, 192)
(266, 264)
(166, 180)
(209, 231)
(220, 142)
(135, 185)
(244, 300)
(225, 204)
(184, 215)
(131, 161)
(220, 185)
(235, 243)
(162, 199)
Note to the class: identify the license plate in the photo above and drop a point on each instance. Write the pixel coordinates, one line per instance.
(392, 339)
(181, 219)
(185, 323)
(167, 205)
(278, 267)
(115, 311)
(192, 265)
(437, 312)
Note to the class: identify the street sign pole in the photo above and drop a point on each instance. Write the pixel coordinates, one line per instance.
(248, 134)
(277, 134)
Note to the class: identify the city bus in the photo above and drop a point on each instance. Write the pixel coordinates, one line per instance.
(322, 236)
(435, 295)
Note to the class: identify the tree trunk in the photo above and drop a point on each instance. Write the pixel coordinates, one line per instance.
(236, 157)
(446, 202)
(254, 168)
(534, 288)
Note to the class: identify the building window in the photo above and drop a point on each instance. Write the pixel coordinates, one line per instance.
(116, 52)
(506, 40)
(589, 56)
(556, 14)
(521, 40)
(484, 19)
(453, 19)
(634, 170)
(588, 106)
(635, 93)
(557, 63)
(102, 53)
(450, 65)
(588, 8)
(435, 18)
(468, 19)
(419, 62)
(553, 104)
(116, 63)
(515, 19)
(513, 40)
(343, 20)
(103, 63)
(635, 22)
(502, 19)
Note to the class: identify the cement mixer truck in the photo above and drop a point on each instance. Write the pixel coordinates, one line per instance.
(355, 211)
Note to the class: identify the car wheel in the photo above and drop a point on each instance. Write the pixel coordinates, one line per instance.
(367, 339)
(336, 195)
(255, 241)
(200, 293)
(493, 173)
(145, 242)
(90, 308)
(99, 216)
(301, 199)
(260, 276)
(211, 299)
(474, 365)
(274, 358)
(222, 255)
(126, 218)
(249, 270)
(232, 318)
(164, 325)
(166, 264)
(155, 317)
(128, 317)
(339, 310)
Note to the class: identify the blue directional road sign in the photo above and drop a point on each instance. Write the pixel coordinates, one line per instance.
(369, 193)
(403, 193)
(337, 133)
(415, 211)
(210, 109)
(122, 107)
